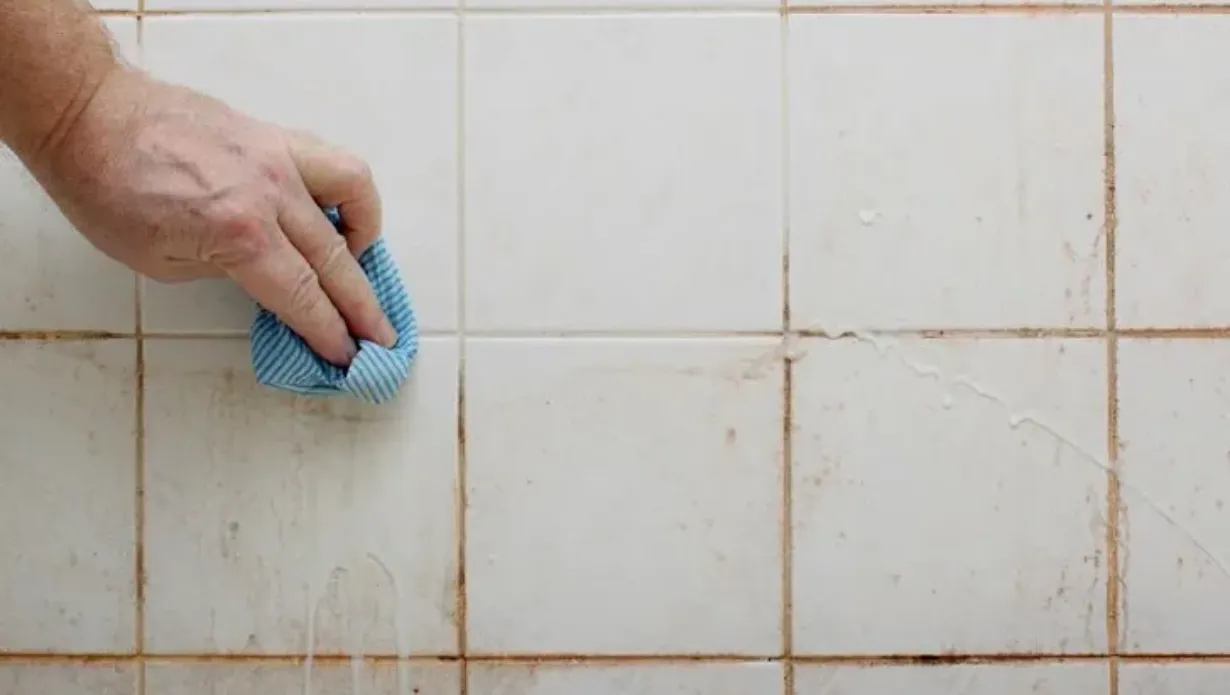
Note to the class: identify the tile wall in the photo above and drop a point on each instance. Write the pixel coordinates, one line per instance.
(790, 350)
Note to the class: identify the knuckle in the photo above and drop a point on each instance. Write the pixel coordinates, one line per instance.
(304, 291)
(333, 256)
(243, 234)
(353, 169)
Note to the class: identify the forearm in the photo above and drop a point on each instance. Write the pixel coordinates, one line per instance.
(54, 54)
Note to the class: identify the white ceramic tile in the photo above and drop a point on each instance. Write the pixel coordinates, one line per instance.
(955, 180)
(624, 496)
(1174, 403)
(1049, 679)
(54, 279)
(76, 679)
(67, 521)
(712, 679)
(1171, 104)
(273, 518)
(623, 172)
(1173, 679)
(354, 678)
(390, 97)
(920, 471)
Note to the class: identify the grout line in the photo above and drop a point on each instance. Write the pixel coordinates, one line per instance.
(787, 455)
(889, 8)
(139, 562)
(1113, 502)
(1019, 333)
(339, 659)
(462, 493)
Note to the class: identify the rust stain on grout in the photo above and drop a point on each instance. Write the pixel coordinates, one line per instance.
(49, 336)
(944, 8)
(888, 8)
(1028, 333)
(1113, 492)
(462, 502)
(35, 658)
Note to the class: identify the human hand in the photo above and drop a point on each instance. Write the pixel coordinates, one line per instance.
(178, 186)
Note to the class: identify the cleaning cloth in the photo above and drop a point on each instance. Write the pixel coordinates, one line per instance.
(283, 360)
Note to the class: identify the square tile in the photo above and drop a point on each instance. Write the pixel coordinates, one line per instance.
(920, 469)
(624, 496)
(623, 172)
(54, 278)
(1172, 98)
(1050, 679)
(68, 460)
(953, 181)
(355, 678)
(278, 524)
(1174, 403)
(76, 679)
(673, 679)
(1173, 679)
(390, 97)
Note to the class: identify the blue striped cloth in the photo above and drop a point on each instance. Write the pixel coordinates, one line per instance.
(282, 360)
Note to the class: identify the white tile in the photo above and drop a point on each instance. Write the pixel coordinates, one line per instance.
(390, 97)
(920, 469)
(273, 518)
(624, 496)
(711, 679)
(76, 679)
(623, 172)
(1173, 679)
(354, 678)
(1174, 403)
(955, 180)
(1172, 99)
(54, 278)
(67, 503)
(1049, 679)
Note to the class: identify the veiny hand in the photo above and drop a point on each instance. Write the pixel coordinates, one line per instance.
(178, 186)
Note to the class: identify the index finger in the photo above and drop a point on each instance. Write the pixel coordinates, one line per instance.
(336, 178)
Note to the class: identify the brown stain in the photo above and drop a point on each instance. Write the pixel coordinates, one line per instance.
(1110, 216)
(50, 336)
(461, 504)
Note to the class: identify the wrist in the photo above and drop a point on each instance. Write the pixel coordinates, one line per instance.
(54, 58)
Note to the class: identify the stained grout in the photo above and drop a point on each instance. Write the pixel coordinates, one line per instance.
(684, 8)
(787, 454)
(1113, 501)
(462, 496)
(962, 333)
(338, 659)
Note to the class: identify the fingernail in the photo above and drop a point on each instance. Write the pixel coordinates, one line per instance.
(387, 334)
(352, 350)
